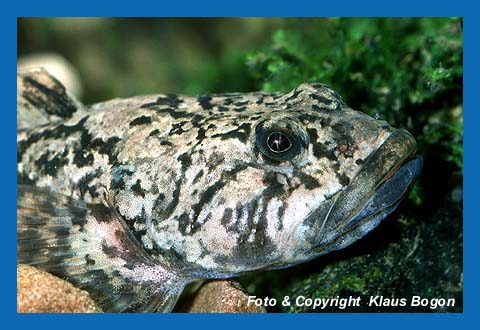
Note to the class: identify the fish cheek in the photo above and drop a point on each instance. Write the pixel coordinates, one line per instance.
(236, 236)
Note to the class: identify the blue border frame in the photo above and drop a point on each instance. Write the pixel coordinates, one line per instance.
(466, 9)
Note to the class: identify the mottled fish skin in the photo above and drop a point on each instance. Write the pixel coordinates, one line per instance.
(87, 244)
(194, 181)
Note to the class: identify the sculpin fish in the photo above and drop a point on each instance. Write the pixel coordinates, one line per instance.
(134, 198)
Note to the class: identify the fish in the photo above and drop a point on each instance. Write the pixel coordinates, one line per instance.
(134, 198)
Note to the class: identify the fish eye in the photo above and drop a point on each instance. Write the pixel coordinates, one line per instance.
(278, 140)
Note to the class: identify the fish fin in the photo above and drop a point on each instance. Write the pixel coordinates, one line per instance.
(90, 246)
(41, 99)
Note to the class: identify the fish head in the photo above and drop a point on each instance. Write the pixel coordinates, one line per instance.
(277, 184)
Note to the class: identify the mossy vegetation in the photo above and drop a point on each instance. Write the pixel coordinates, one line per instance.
(408, 72)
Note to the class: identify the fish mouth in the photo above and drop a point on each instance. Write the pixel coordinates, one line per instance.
(386, 177)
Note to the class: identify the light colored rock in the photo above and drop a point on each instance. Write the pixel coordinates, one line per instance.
(220, 297)
(41, 292)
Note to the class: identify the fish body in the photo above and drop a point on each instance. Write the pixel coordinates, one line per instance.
(134, 198)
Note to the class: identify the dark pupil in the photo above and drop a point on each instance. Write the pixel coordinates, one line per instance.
(278, 142)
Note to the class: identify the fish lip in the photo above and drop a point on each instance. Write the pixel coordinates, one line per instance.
(372, 196)
(402, 180)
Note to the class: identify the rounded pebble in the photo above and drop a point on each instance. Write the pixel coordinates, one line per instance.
(41, 292)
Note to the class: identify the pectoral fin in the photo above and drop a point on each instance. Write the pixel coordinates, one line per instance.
(90, 246)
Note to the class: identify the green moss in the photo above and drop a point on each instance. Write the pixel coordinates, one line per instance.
(406, 71)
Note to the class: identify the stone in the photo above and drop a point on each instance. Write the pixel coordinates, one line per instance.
(225, 296)
(41, 292)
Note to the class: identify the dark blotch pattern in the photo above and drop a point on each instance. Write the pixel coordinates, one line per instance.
(320, 149)
(141, 121)
(227, 216)
(137, 189)
(343, 179)
(54, 100)
(170, 100)
(89, 260)
(294, 95)
(84, 183)
(51, 166)
(183, 223)
(198, 176)
(209, 193)
(186, 161)
(177, 128)
(101, 212)
(204, 102)
(154, 132)
(309, 181)
(53, 132)
(118, 173)
(241, 133)
(321, 99)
